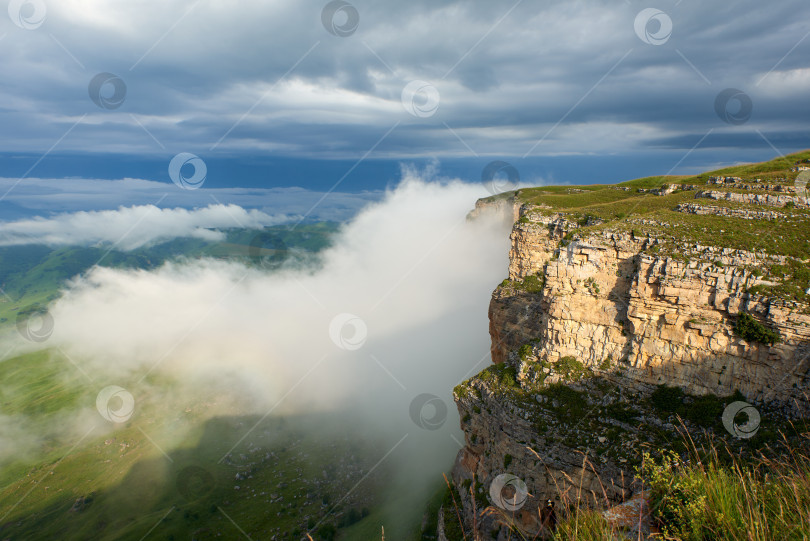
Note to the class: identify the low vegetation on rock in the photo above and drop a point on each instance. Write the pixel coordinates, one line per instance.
(752, 330)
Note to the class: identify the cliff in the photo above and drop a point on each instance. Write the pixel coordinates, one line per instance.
(627, 308)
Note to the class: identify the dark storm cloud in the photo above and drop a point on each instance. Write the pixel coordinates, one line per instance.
(267, 77)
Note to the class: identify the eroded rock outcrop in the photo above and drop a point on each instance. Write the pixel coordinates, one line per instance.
(755, 198)
(670, 320)
(600, 312)
(505, 204)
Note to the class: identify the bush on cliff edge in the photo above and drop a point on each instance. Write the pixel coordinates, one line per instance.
(752, 330)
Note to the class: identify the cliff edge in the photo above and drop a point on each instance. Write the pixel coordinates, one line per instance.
(633, 315)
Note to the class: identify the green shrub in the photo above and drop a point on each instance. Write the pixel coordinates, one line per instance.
(706, 500)
(667, 399)
(570, 368)
(679, 503)
(752, 330)
(534, 284)
(460, 390)
(507, 459)
(530, 284)
(704, 410)
(327, 532)
(572, 404)
(500, 375)
(621, 412)
(508, 377)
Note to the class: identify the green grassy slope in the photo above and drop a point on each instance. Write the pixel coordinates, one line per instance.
(293, 472)
(630, 207)
(33, 274)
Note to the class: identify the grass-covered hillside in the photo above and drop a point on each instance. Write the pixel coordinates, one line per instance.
(654, 207)
(170, 471)
(32, 274)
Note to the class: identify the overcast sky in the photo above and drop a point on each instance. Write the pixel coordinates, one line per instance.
(527, 82)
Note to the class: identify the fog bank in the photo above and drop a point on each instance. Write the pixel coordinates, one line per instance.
(393, 317)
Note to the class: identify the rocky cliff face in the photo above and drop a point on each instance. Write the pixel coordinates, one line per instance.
(590, 322)
(669, 320)
(505, 204)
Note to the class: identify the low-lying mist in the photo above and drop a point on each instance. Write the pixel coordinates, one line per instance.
(382, 328)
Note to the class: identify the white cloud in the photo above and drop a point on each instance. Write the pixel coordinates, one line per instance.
(128, 228)
(38, 196)
(786, 83)
(412, 267)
